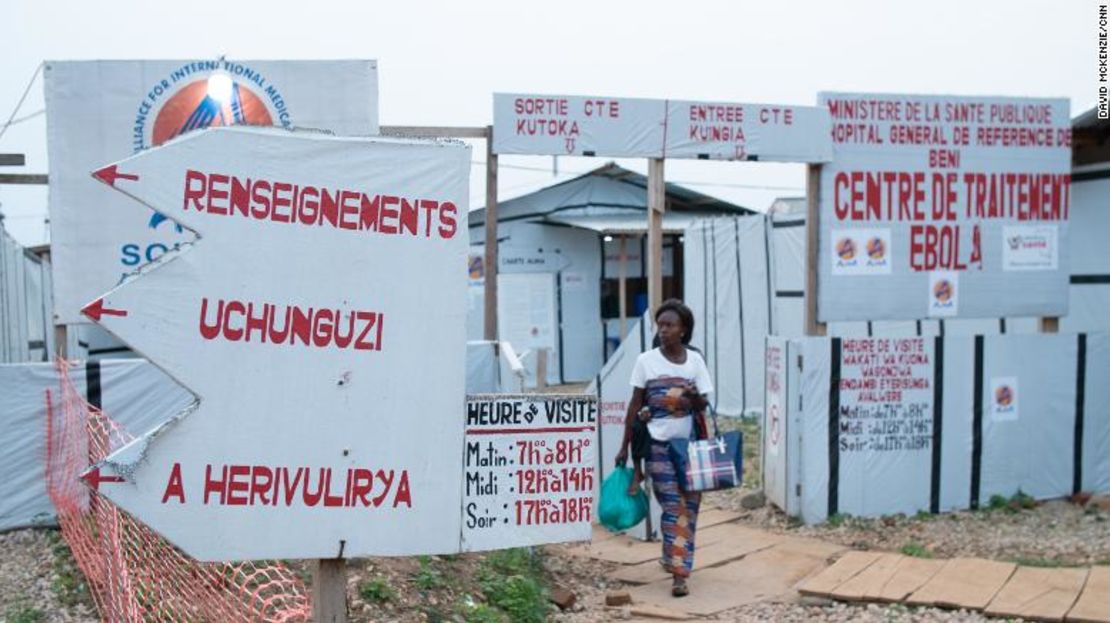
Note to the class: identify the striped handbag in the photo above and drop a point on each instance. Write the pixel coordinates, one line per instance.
(715, 463)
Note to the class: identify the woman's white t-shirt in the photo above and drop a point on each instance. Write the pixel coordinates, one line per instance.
(661, 379)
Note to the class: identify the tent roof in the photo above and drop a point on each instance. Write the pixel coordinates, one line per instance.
(610, 190)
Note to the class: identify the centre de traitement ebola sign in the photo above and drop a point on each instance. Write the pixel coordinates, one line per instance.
(938, 206)
(100, 111)
(563, 125)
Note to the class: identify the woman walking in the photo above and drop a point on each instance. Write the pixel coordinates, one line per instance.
(673, 382)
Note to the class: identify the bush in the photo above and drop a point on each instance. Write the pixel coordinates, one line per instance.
(512, 581)
(916, 550)
(376, 591)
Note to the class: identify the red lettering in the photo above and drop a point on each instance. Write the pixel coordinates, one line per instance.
(173, 486)
(210, 331)
(215, 194)
(237, 485)
(262, 479)
(195, 185)
(214, 486)
(447, 227)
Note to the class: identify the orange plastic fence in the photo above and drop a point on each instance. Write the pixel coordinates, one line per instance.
(132, 573)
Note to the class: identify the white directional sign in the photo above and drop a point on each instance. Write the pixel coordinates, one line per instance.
(631, 127)
(319, 319)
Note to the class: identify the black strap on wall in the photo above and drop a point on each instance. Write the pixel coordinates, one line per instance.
(740, 307)
(938, 423)
(716, 329)
(604, 325)
(92, 384)
(870, 330)
(1090, 280)
(1080, 398)
(1002, 326)
(767, 259)
(559, 319)
(977, 425)
(705, 290)
(919, 328)
(834, 428)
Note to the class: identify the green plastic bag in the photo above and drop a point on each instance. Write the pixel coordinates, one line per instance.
(617, 510)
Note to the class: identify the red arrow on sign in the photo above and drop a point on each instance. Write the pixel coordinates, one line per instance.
(96, 309)
(93, 478)
(110, 174)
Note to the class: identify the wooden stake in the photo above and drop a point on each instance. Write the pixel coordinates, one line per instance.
(813, 223)
(657, 205)
(490, 261)
(329, 591)
(1050, 324)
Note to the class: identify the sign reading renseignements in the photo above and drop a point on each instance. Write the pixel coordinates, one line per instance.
(938, 206)
(530, 469)
(632, 127)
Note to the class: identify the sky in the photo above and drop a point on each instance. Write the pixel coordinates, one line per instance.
(440, 62)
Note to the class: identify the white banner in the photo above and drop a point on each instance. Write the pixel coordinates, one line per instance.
(969, 191)
(101, 111)
(630, 127)
(530, 470)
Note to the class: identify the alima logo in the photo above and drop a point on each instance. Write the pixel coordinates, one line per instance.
(846, 249)
(1004, 396)
(943, 291)
(205, 94)
(876, 248)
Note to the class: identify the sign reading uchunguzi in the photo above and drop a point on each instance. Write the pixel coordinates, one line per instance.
(631, 127)
(322, 427)
(530, 469)
(944, 206)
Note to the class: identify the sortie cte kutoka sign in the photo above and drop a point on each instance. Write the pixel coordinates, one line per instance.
(632, 127)
(101, 110)
(939, 206)
(318, 320)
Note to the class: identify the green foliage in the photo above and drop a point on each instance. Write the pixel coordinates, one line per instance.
(916, 550)
(22, 613)
(523, 598)
(1048, 563)
(512, 581)
(68, 584)
(427, 578)
(1016, 502)
(924, 516)
(480, 613)
(838, 519)
(376, 591)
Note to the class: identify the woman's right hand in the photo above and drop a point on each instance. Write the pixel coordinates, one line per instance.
(622, 457)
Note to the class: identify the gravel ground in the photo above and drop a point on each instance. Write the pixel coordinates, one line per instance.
(38, 581)
(1053, 533)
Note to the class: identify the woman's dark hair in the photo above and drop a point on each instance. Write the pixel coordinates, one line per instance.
(684, 314)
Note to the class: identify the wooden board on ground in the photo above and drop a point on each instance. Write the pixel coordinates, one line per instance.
(964, 583)
(715, 546)
(892, 577)
(1094, 602)
(1038, 594)
(845, 568)
(767, 574)
(621, 549)
(715, 516)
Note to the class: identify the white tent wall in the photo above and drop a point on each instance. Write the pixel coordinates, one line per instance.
(26, 332)
(613, 389)
(1088, 233)
(1052, 445)
(578, 352)
(132, 392)
(728, 260)
(1095, 470)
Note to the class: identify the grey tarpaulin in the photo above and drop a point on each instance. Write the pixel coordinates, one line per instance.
(1053, 445)
(25, 312)
(137, 395)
